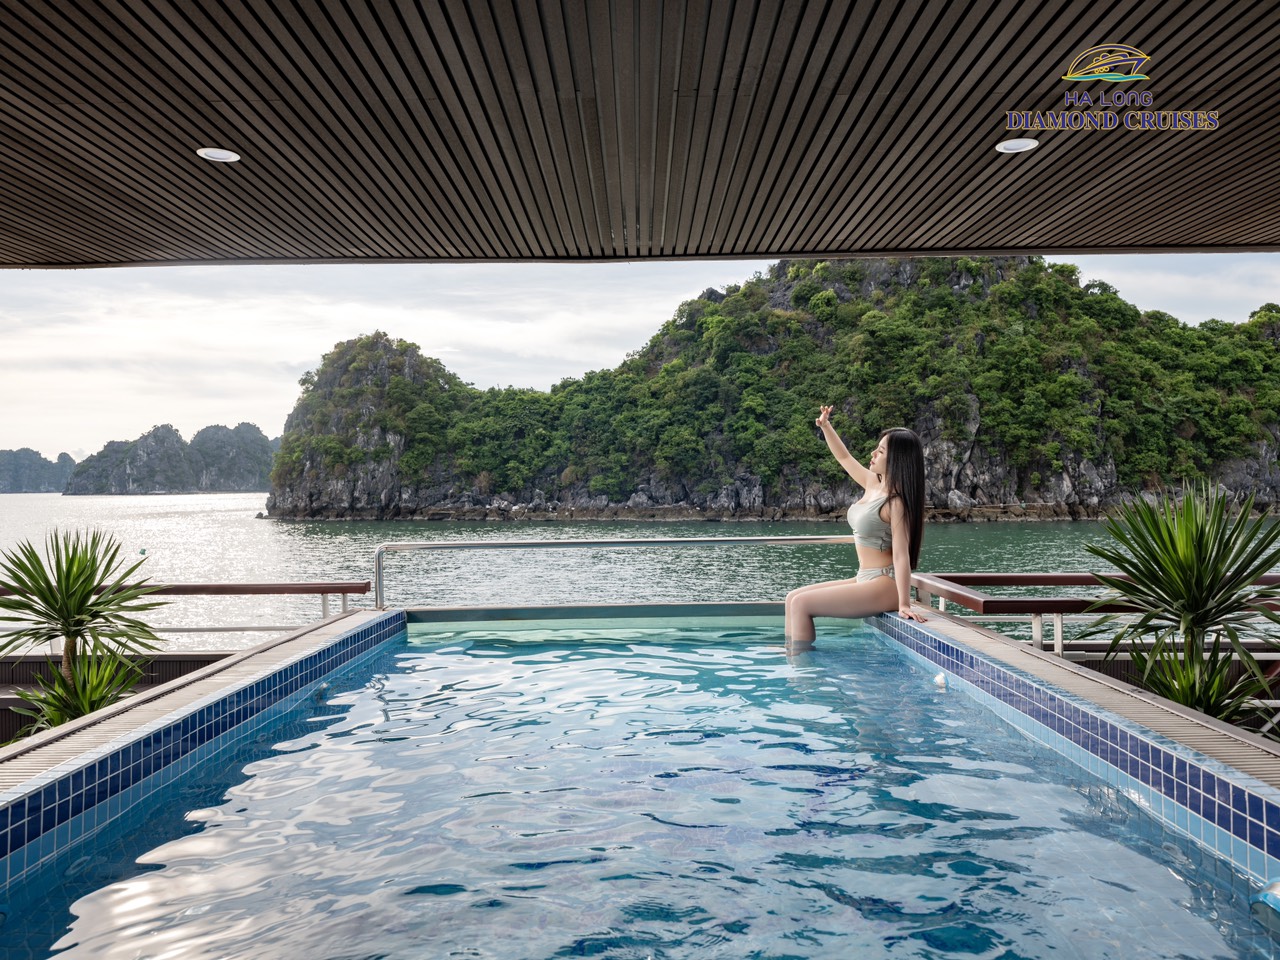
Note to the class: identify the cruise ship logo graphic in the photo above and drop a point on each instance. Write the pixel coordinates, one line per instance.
(1114, 62)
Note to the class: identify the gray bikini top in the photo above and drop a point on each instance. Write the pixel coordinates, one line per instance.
(868, 529)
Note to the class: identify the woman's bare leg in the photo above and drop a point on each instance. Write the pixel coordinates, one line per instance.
(839, 598)
(789, 606)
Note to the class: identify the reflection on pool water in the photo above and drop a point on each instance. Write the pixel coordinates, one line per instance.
(636, 793)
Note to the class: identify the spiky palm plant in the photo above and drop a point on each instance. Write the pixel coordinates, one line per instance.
(79, 592)
(1187, 575)
(98, 679)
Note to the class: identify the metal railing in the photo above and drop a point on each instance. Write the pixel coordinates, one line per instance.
(944, 588)
(959, 588)
(379, 592)
(323, 589)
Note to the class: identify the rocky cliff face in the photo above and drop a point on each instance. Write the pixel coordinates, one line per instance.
(964, 482)
(231, 459)
(360, 497)
(343, 459)
(1258, 473)
(218, 460)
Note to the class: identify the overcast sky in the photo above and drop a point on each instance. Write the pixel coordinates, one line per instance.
(96, 355)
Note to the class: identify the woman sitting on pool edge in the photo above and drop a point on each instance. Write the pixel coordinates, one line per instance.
(888, 527)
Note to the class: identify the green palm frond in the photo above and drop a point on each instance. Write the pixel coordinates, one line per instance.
(98, 679)
(78, 591)
(1186, 582)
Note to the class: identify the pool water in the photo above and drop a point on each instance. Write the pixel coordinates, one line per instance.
(635, 793)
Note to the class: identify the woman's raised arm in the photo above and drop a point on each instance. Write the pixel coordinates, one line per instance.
(851, 466)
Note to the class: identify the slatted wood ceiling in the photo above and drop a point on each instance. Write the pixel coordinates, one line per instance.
(617, 129)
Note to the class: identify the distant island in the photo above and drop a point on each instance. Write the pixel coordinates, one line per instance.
(26, 471)
(1035, 395)
(217, 460)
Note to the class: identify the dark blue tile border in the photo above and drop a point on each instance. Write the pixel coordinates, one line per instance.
(37, 819)
(1231, 813)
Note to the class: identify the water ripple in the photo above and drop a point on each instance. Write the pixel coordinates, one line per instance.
(640, 800)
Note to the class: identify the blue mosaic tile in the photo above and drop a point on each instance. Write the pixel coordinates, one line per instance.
(1224, 791)
(1273, 843)
(1271, 815)
(1180, 791)
(18, 834)
(1256, 834)
(1239, 850)
(1195, 802)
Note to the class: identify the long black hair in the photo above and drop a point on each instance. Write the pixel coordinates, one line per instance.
(904, 479)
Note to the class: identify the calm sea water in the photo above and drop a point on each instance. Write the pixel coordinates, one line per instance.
(216, 538)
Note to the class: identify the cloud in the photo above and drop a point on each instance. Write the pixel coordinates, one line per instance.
(1191, 287)
(102, 355)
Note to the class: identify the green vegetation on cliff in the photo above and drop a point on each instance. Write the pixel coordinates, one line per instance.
(368, 394)
(1010, 356)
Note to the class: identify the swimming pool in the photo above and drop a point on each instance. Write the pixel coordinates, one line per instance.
(634, 792)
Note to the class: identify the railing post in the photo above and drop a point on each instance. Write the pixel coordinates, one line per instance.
(1037, 630)
(324, 606)
(1057, 634)
(377, 577)
(344, 603)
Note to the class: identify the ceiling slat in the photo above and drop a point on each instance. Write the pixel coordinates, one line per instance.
(89, 142)
(743, 74)
(645, 77)
(773, 77)
(542, 100)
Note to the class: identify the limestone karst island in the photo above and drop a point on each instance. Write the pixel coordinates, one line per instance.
(1037, 394)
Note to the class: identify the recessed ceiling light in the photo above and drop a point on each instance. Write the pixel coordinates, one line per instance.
(218, 154)
(1017, 146)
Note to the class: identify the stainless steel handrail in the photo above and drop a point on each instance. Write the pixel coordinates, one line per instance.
(344, 589)
(379, 595)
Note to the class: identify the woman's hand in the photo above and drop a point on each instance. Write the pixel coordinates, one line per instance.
(907, 613)
(824, 416)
